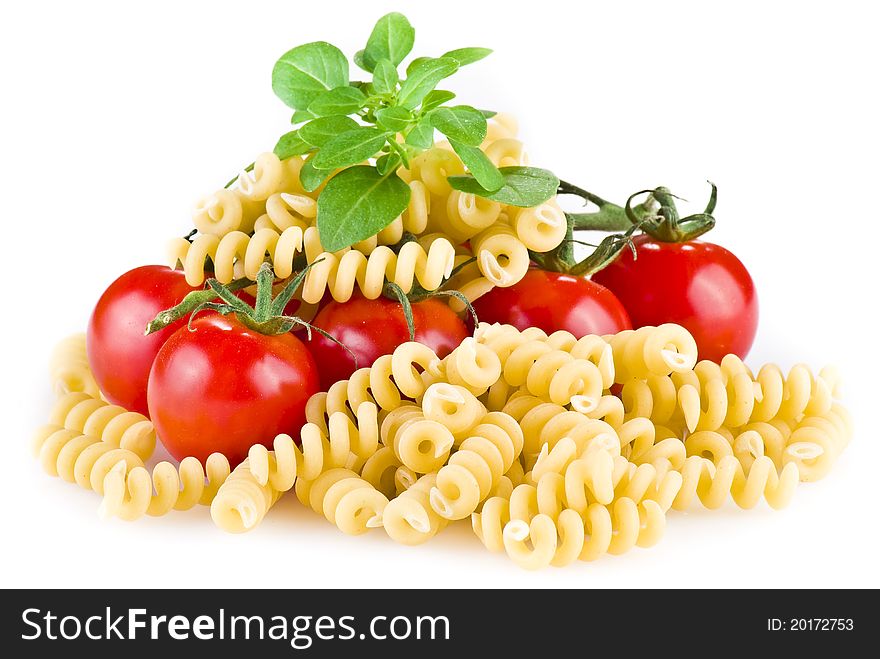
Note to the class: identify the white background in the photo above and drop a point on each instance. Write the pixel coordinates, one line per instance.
(116, 117)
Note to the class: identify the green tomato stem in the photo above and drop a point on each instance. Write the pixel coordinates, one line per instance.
(192, 302)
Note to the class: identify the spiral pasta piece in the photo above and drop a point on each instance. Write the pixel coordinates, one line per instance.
(319, 451)
(69, 369)
(554, 375)
(561, 542)
(501, 126)
(384, 383)
(472, 366)
(112, 424)
(475, 469)
(218, 214)
(712, 484)
(434, 166)
(270, 175)
(711, 396)
(467, 215)
(655, 398)
(452, 406)
(413, 264)
(285, 210)
(237, 254)
(790, 397)
(129, 493)
(78, 458)
(409, 518)
(507, 152)
(346, 500)
(501, 256)
(652, 350)
(381, 471)
(241, 503)
(541, 228)
(422, 445)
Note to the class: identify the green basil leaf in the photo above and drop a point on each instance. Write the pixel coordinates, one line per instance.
(342, 100)
(481, 168)
(468, 55)
(357, 203)
(300, 116)
(361, 61)
(392, 38)
(394, 118)
(436, 98)
(320, 131)
(304, 72)
(422, 79)
(488, 113)
(523, 186)
(350, 148)
(384, 77)
(310, 177)
(418, 61)
(387, 163)
(462, 123)
(422, 135)
(291, 144)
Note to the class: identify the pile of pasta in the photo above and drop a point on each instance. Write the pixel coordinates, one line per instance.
(444, 238)
(556, 448)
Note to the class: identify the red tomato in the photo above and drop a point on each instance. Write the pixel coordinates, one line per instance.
(372, 328)
(554, 301)
(699, 285)
(223, 387)
(119, 353)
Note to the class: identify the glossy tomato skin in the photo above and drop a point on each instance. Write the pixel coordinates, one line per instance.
(372, 328)
(554, 301)
(119, 354)
(223, 387)
(699, 285)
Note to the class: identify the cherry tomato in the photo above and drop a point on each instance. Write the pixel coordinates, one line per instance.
(696, 284)
(372, 328)
(554, 301)
(119, 353)
(223, 387)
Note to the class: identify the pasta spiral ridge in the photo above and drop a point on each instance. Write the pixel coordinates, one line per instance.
(385, 383)
(554, 375)
(476, 468)
(790, 397)
(112, 424)
(650, 350)
(241, 502)
(409, 518)
(319, 451)
(69, 369)
(345, 499)
(611, 529)
(236, 254)
(712, 484)
(78, 458)
(129, 493)
(559, 535)
(712, 396)
(338, 274)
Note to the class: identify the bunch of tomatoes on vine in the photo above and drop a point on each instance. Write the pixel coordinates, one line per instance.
(220, 368)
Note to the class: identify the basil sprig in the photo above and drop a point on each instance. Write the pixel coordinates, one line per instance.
(358, 134)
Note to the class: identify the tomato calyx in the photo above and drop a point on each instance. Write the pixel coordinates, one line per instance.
(664, 223)
(417, 294)
(609, 217)
(189, 304)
